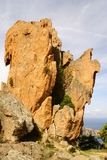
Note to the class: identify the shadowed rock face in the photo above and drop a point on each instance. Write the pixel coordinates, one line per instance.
(40, 71)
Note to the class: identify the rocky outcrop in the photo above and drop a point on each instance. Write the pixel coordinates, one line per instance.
(43, 116)
(12, 154)
(39, 151)
(21, 151)
(90, 132)
(82, 72)
(62, 122)
(16, 121)
(66, 58)
(79, 82)
(79, 79)
(29, 49)
(53, 86)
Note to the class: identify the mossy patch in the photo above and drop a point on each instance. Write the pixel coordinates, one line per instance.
(67, 101)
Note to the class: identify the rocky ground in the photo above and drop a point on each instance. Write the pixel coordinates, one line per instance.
(47, 151)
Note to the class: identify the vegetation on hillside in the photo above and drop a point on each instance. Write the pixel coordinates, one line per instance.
(103, 132)
(90, 142)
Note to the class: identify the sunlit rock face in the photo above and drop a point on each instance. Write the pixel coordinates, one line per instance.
(82, 73)
(42, 76)
(29, 51)
(80, 86)
(79, 80)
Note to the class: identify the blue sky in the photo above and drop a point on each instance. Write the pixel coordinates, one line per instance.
(81, 24)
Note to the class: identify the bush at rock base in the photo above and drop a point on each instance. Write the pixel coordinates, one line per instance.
(103, 132)
(90, 142)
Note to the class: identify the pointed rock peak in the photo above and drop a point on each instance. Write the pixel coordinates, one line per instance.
(45, 22)
(87, 55)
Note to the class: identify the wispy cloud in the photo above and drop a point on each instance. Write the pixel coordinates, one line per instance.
(81, 31)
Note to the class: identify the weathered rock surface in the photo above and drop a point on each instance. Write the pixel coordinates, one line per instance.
(79, 79)
(39, 151)
(29, 49)
(43, 116)
(21, 151)
(83, 72)
(67, 57)
(16, 120)
(90, 132)
(79, 82)
(12, 154)
(62, 122)
(41, 75)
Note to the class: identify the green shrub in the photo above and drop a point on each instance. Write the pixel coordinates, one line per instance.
(103, 132)
(90, 142)
(66, 101)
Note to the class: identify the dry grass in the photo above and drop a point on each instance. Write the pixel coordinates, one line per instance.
(101, 153)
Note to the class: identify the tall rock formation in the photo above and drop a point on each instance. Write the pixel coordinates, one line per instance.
(29, 49)
(79, 82)
(42, 76)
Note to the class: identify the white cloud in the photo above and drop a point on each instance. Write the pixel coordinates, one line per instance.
(82, 31)
(95, 113)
